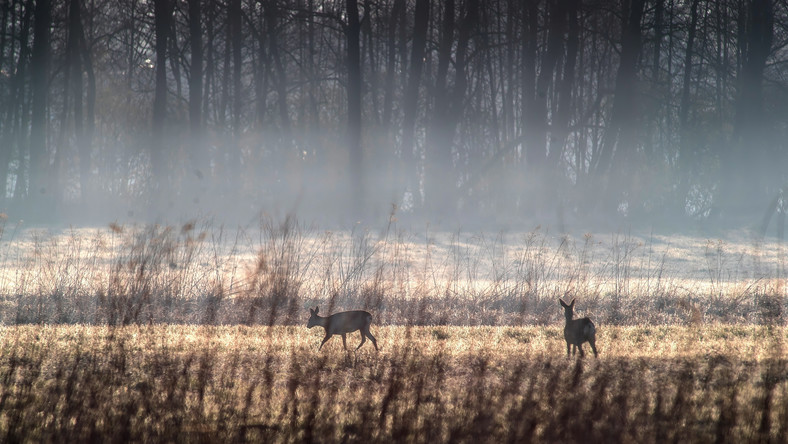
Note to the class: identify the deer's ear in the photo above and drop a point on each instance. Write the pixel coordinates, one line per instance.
(572, 304)
(562, 302)
(317, 309)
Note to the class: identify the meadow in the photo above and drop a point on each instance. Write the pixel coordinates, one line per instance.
(195, 333)
(427, 384)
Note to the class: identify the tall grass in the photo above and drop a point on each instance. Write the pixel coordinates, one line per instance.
(268, 274)
(428, 384)
(197, 333)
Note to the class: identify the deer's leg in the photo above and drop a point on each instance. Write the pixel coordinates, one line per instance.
(344, 341)
(363, 339)
(568, 347)
(371, 338)
(580, 348)
(593, 347)
(324, 341)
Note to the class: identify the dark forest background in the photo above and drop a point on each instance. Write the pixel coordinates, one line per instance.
(664, 112)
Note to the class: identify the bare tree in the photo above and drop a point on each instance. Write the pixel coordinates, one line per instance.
(79, 63)
(685, 157)
(236, 43)
(747, 171)
(353, 65)
(39, 188)
(411, 99)
(440, 183)
(620, 138)
(162, 23)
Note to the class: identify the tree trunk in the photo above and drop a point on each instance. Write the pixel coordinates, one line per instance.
(236, 36)
(261, 73)
(440, 183)
(4, 37)
(396, 14)
(197, 148)
(686, 159)
(619, 139)
(751, 168)
(563, 109)
(411, 100)
(437, 154)
(75, 56)
(355, 152)
(534, 151)
(86, 146)
(131, 52)
(162, 23)
(209, 84)
(313, 78)
(556, 180)
(20, 105)
(372, 66)
(5, 122)
(547, 71)
(40, 189)
(271, 14)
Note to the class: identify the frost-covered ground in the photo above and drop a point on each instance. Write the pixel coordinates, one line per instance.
(456, 277)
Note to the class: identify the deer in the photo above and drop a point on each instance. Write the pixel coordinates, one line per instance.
(577, 331)
(343, 323)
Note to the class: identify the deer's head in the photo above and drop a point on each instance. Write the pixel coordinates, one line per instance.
(314, 319)
(568, 309)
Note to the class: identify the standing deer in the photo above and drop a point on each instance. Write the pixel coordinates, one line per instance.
(342, 324)
(577, 331)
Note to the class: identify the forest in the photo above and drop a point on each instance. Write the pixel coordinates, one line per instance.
(664, 112)
(183, 181)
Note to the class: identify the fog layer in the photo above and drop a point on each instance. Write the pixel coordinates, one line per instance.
(457, 113)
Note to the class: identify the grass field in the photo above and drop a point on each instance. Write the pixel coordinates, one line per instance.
(427, 384)
(268, 274)
(198, 334)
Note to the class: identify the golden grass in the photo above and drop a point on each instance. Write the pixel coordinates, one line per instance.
(197, 335)
(431, 383)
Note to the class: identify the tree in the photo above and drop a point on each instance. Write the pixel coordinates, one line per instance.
(162, 23)
(15, 104)
(685, 158)
(616, 159)
(630, 107)
(39, 188)
(271, 19)
(236, 43)
(747, 174)
(79, 63)
(196, 67)
(440, 183)
(411, 99)
(353, 65)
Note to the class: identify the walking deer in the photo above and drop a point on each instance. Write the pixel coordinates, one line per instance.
(342, 324)
(577, 331)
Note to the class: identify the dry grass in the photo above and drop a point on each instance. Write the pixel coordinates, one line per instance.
(427, 384)
(198, 273)
(197, 334)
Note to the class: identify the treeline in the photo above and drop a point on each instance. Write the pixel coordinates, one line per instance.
(649, 110)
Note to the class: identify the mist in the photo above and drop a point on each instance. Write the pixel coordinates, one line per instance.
(458, 114)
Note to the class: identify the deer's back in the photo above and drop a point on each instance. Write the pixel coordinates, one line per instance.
(348, 321)
(578, 331)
